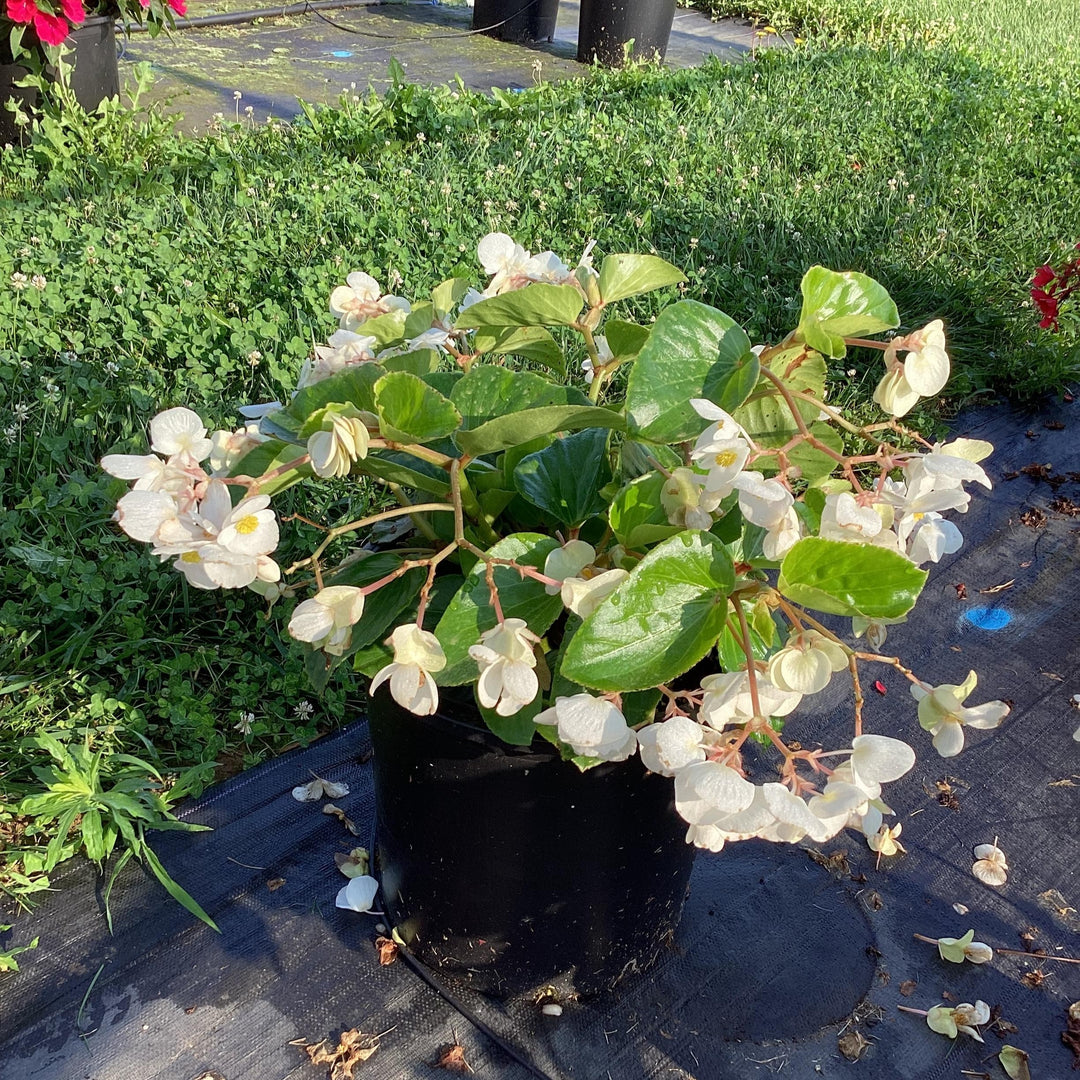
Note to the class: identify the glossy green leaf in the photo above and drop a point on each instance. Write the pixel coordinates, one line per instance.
(387, 329)
(397, 467)
(838, 305)
(766, 416)
(355, 385)
(844, 578)
(411, 411)
(488, 392)
(470, 612)
(732, 378)
(535, 305)
(419, 361)
(565, 477)
(518, 729)
(660, 622)
(630, 275)
(530, 342)
(511, 430)
(446, 295)
(637, 516)
(672, 368)
(625, 339)
(268, 456)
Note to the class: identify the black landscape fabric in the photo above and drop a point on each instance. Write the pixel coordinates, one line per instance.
(782, 956)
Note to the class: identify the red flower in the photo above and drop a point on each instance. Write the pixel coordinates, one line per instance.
(1048, 307)
(73, 11)
(1043, 276)
(179, 6)
(51, 29)
(21, 11)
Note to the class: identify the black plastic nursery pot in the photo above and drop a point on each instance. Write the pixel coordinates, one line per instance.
(605, 26)
(516, 20)
(95, 76)
(505, 867)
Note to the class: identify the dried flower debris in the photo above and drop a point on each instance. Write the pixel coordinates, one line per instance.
(353, 1048)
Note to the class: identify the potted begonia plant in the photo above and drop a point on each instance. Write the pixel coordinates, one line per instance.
(33, 36)
(619, 557)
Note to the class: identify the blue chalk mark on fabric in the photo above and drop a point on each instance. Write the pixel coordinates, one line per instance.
(342, 52)
(986, 618)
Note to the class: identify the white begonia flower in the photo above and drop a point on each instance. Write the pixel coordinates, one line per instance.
(506, 660)
(953, 468)
(806, 663)
(583, 595)
(503, 259)
(179, 431)
(604, 355)
(567, 561)
(333, 450)
(326, 620)
(417, 654)
(671, 745)
(230, 446)
(894, 393)
(875, 629)
(472, 296)
(926, 366)
(929, 537)
(547, 267)
(685, 500)
(145, 469)
(877, 760)
(141, 514)
(358, 895)
(990, 866)
(361, 299)
(794, 820)
(842, 518)
(592, 726)
(707, 791)
(886, 840)
(782, 536)
(942, 713)
(345, 349)
(946, 1020)
(762, 502)
(727, 699)
(721, 449)
(957, 950)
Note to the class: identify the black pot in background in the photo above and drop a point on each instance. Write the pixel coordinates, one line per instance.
(94, 78)
(505, 866)
(516, 20)
(606, 25)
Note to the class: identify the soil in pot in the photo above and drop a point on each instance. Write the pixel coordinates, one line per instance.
(506, 867)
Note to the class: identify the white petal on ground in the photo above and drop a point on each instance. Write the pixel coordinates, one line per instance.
(359, 894)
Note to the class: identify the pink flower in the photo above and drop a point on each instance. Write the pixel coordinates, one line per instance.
(51, 29)
(73, 11)
(179, 6)
(21, 11)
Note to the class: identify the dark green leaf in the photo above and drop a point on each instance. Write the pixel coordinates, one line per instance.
(411, 411)
(732, 378)
(508, 431)
(565, 478)
(488, 392)
(625, 339)
(531, 342)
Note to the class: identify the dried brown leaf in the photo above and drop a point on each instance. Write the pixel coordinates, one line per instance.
(836, 862)
(1035, 978)
(998, 588)
(453, 1059)
(852, 1045)
(908, 987)
(275, 883)
(999, 1025)
(387, 950)
(337, 812)
(1033, 518)
(961, 591)
(1071, 1036)
(353, 1048)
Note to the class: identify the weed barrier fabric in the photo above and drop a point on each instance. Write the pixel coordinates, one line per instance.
(777, 955)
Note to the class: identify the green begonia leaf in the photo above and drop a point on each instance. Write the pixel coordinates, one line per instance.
(411, 411)
(637, 517)
(766, 416)
(844, 578)
(660, 622)
(419, 361)
(630, 275)
(625, 339)
(672, 368)
(489, 392)
(531, 342)
(354, 386)
(268, 456)
(839, 305)
(535, 305)
(732, 378)
(565, 477)
(518, 729)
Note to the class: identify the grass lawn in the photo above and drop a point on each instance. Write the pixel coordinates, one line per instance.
(935, 146)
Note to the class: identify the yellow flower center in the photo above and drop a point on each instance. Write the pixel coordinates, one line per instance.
(247, 524)
(190, 557)
(726, 458)
(918, 517)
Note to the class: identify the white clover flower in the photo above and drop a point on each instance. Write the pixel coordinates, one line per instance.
(18, 281)
(990, 866)
(806, 663)
(244, 723)
(592, 726)
(957, 950)
(727, 699)
(358, 895)
(942, 713)
(946, 1020)
(583, 595)
(334, 449)
(567, 561)
(177, 431)
(38, 281)
(506, 660)
(417, 654)
(671, 745)
(326, 620)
